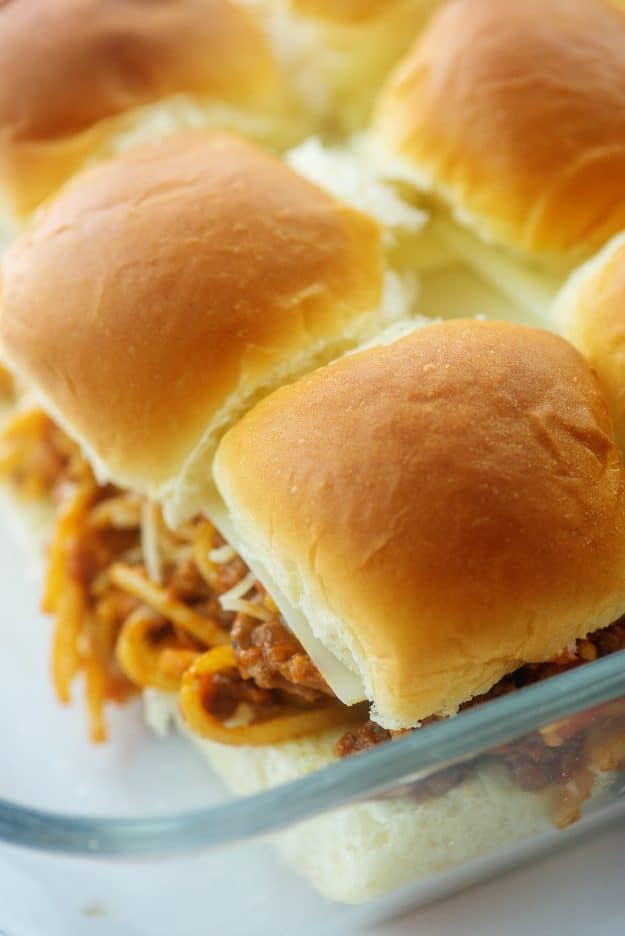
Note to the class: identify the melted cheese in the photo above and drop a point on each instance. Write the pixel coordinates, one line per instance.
(346, 685)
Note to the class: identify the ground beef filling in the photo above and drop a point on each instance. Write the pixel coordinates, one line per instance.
(361, 738)
(229, 696)
(533, 765)
(273, 674)
(269, 654)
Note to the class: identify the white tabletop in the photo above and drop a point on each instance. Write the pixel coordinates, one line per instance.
(580, 893)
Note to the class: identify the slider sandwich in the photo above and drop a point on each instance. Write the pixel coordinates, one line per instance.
(510, 121)
(83, 79)
(297, 575)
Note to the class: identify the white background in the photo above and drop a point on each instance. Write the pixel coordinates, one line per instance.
(581, 893)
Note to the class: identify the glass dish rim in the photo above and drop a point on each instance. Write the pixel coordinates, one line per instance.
(342, 783)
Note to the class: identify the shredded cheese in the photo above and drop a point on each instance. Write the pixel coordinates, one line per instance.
(250, 608)
(243, 716)
(222, 554)
(237, 591)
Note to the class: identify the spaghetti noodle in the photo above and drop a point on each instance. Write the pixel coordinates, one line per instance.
(126, 622)
(264, 724)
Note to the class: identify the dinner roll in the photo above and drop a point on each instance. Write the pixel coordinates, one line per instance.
(442, 510)
(590, 312)
(514, 120)
(82, 78)
(338, 52)
(174, 286)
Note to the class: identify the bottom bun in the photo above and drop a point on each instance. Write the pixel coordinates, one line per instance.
(361, 852)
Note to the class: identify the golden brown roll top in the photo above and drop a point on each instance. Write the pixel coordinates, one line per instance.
(514, 118)
(164, 291)
(72, 68)
(441, 510)
(590, 312)
(68, 64)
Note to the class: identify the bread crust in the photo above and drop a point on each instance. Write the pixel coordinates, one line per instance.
(514, 119)
(444, 509)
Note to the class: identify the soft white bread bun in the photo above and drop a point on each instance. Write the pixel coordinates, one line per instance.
(442, 510)
(362, 851)
(78, 76)
(338, 52)
(514, 119)
(170, 289)
(590, 312)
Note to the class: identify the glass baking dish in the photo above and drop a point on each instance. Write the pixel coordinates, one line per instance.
(359, 829)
